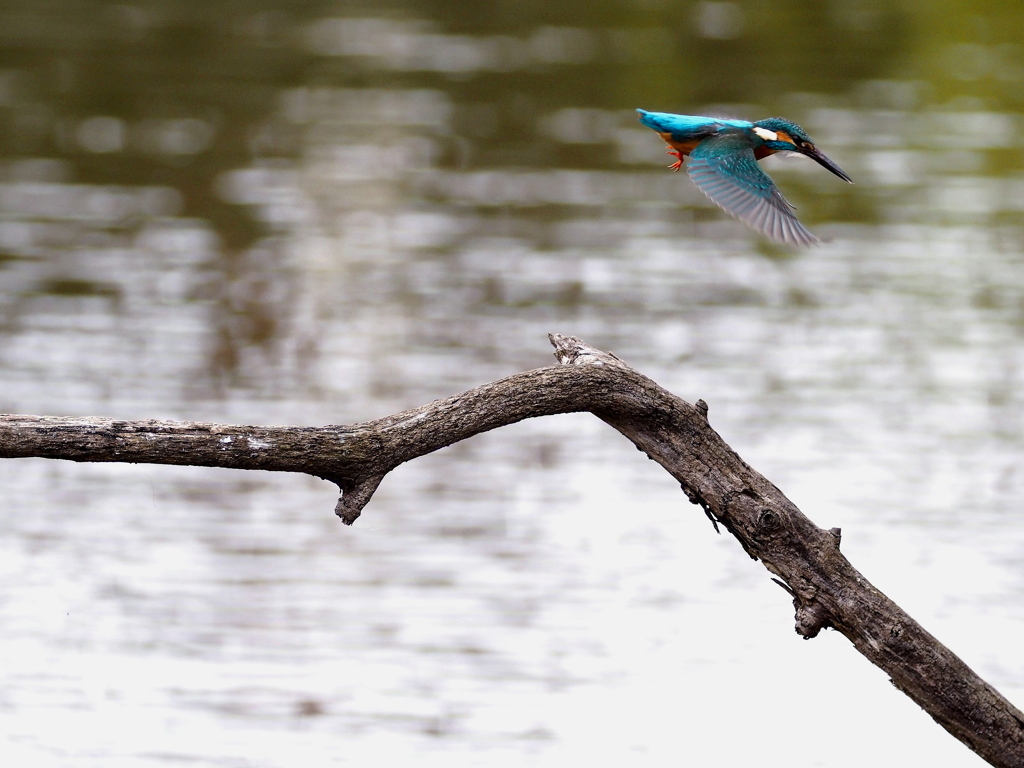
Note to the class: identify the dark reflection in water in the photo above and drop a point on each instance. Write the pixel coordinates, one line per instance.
(325, 212)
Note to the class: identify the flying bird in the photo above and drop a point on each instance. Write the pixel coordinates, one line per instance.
(723, 164)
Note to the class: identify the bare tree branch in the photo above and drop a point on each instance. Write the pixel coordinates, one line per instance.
(827, 590)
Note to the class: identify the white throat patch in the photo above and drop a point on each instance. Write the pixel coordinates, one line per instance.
(765, 134)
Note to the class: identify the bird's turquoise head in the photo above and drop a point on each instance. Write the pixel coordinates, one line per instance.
(781, 135)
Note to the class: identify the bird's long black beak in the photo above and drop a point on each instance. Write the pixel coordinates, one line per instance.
(820, 159)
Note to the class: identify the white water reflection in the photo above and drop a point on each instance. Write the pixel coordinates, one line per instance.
(416, 44)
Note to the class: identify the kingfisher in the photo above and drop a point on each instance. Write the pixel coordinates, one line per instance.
(723, 164)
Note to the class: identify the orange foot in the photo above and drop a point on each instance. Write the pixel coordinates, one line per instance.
(679, 162)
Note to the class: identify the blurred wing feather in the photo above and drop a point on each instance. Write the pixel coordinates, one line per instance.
(724, 168)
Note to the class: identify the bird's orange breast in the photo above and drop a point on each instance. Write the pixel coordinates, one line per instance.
(686, 147)
(682, 147)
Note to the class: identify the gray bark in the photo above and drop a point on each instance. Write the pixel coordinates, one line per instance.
(828, 592)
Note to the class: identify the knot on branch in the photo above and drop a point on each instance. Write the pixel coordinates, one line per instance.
(768, 521)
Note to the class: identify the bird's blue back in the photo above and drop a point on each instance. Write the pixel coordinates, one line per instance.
(686, 127)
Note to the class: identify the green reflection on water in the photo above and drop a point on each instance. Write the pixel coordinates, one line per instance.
(254, 126)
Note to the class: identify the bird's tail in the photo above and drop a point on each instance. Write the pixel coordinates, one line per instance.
(650, 119)
(665, 122)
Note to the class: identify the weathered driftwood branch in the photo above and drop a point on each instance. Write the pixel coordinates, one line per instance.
(827, 591)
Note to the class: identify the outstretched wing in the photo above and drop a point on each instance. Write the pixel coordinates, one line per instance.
(724, 168)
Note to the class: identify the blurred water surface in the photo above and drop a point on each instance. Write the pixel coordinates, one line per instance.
(324, 212)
